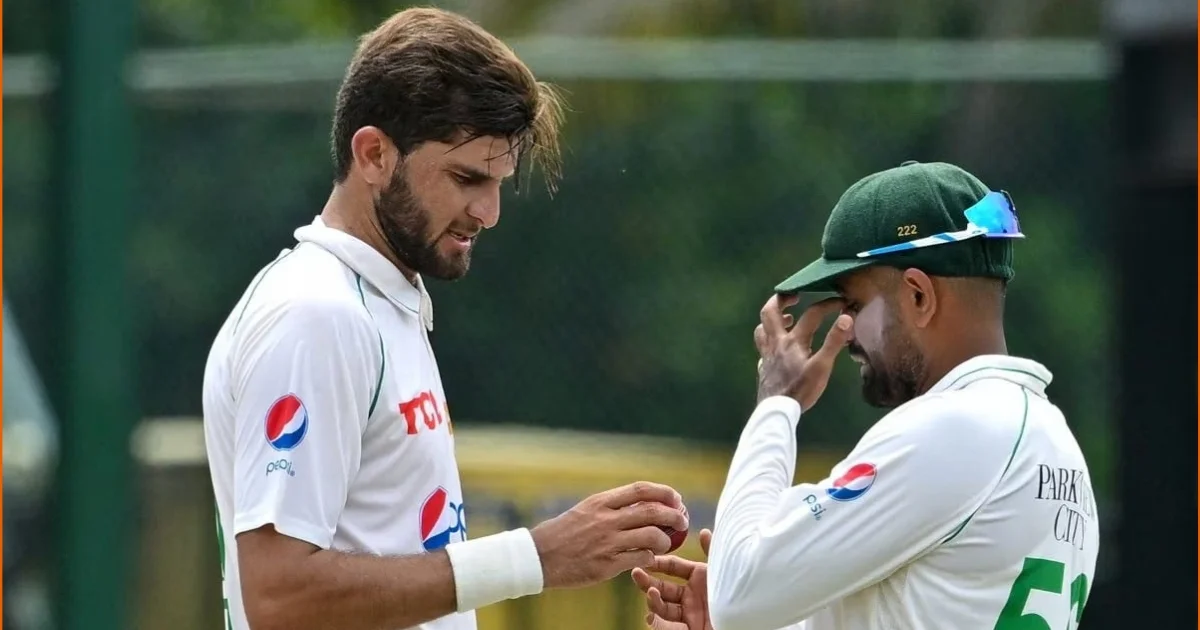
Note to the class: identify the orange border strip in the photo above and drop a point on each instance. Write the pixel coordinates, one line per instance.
(1, 296)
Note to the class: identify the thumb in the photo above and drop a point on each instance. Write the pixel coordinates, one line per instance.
(838, 336)
(705, 541)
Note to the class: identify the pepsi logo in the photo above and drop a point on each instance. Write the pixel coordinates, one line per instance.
(286, 423)
(853, 483)
(441, 519)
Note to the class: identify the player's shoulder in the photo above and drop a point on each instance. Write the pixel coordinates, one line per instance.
(307, 273)
(980, 418)
(945, 440)
(305, 289)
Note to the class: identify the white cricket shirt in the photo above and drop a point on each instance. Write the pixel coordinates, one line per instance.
(967, 508)
(324, 413)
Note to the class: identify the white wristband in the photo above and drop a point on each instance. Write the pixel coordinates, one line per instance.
(495, 568)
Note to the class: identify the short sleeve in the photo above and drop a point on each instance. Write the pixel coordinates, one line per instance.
(303, 375)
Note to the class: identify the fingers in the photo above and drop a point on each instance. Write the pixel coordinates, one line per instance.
(705, 540)
(670, 591)
(649, 513)
(836, 339)
(654, 622)
(641, 491)
(649, 538)
(670, 611)
(673, 566)
(760, 340)
(772, 315)
(812, 318)
(629, 560)
(644, 580)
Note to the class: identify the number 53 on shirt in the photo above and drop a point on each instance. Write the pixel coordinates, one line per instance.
(1040, 574)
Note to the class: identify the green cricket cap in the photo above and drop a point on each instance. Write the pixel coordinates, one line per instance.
(910, 201)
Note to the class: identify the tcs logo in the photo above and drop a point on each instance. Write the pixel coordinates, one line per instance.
(441, 520)
(424, 412)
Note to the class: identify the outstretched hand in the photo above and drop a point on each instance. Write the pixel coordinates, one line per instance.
(675, 606)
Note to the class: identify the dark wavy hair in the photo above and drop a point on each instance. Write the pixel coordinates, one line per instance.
(428, 74)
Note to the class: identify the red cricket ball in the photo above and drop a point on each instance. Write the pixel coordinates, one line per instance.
(677, 536)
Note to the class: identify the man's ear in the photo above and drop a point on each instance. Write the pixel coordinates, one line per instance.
(374, 154)
(919, 296)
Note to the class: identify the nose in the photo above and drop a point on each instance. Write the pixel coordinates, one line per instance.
(486, 208)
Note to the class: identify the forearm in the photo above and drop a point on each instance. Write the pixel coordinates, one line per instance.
(332, 589)
(743, 581)
(348, 591)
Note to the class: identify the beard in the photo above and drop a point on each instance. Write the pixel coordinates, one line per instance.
(404, 222)
(893, 376)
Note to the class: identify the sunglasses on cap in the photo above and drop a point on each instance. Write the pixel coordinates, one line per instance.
(994, 216)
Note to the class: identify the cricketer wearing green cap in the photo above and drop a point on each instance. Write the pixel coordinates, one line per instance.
(969, 505)
(896, 206)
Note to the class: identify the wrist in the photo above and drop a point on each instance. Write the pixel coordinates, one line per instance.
(778, 404)
(495, 568)
(545, 547)
(769, 388)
